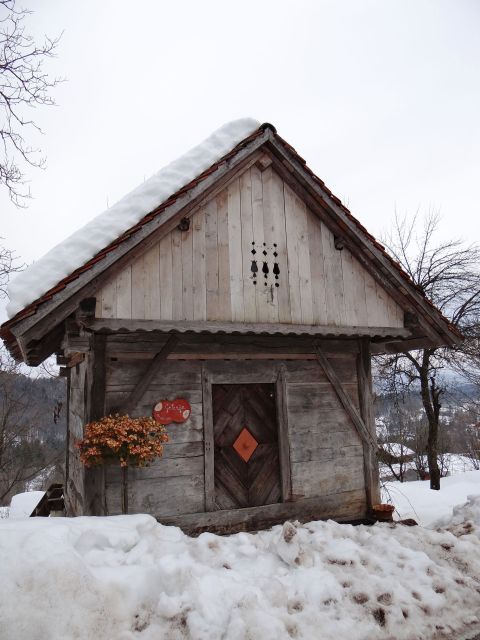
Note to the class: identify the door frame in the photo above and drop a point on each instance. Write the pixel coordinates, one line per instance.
(245, 372)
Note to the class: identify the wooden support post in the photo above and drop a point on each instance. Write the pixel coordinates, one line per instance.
(95, 476)
(129, 405)
(364, 377)
(208, 441)
(283, 436)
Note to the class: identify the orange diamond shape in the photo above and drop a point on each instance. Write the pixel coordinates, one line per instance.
(245, 444)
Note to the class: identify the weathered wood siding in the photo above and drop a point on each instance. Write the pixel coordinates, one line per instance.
(173, 484)
(206, 273)
(325, 451)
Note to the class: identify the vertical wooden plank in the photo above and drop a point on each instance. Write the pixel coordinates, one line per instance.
(395, 313)
(382, 315)
(262, 296)
(319, 310)
(177, 275)
(359, 294)
(152, 283)
(109, 300)
(208, 440)
(304, 269)
(235, 252)
(399, 316)
(283, 434)
(292, 254)
(280, 239)
(211, 259)
(348, 287)
(199, 266)
(374, 311)
(224, 302)
(138, 288)
(246, 216)
(187, 273)
(124, 293)
(270, 239)
(364, 377)
(166, 281)
(334, 293)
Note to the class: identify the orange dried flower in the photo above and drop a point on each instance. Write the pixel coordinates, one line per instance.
(129, 441)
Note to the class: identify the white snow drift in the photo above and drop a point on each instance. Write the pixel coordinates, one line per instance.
(128, 577)
(99, 232)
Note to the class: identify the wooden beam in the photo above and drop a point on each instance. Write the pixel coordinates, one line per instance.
(345, 506)
(283, 435)
(97, 400)
(94, 477)
(345, 401)
(208, 441)
(144, 382)
(364, 380)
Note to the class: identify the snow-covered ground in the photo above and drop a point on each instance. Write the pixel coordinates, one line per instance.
(416, 500)
(128, 577)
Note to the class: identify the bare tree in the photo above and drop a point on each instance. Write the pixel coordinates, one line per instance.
(8, 264)
(24, 84)
(449, 274)
(26, 449)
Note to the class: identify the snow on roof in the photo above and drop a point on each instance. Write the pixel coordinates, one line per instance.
(397, 449)
(22, 504)
(84, 243)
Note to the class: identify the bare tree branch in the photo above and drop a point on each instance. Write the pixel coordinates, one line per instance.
(448, 273)
(24, 85)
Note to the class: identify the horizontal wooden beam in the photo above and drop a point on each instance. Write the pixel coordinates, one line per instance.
(112, 325)
(178, 355)
(345, 506)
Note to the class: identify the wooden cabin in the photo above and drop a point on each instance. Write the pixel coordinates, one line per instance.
(255, 295)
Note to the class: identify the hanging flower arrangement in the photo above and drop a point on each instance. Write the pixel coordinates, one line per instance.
(123, 440)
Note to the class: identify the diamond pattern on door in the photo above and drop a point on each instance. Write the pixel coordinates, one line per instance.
(246, 461)
(245, 445)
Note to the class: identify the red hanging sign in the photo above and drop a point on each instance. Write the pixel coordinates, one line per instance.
(167, 411)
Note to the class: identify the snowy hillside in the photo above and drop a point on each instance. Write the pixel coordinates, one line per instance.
(128, 577)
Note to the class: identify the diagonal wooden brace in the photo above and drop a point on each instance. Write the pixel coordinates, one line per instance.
(345, 401)
(152, 370)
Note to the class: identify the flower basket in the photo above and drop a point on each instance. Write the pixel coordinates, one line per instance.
(122, 440)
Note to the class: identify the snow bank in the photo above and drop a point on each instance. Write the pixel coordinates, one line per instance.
(129, 577)
(23, 504)
(416, 499)
(99, 232)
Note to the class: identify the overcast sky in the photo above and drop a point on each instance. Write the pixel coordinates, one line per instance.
(382, 98)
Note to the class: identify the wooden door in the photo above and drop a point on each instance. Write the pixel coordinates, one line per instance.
(246, 459)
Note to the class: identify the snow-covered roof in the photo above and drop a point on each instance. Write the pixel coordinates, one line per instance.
(86, 242)
(396, 449)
